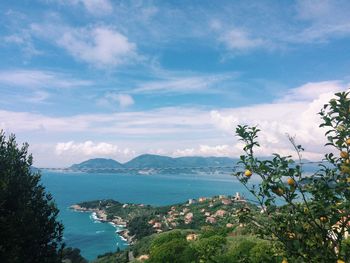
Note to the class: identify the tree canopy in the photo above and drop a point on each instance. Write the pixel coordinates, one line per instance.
(29, 229)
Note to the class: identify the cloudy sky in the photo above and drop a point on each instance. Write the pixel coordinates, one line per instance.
(102, 78)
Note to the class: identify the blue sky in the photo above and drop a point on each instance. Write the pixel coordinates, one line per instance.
(103, 78)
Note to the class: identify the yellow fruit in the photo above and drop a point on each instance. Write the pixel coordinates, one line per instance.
(344, 155)
(291, 182)
(340, 261)
(323, 219)
(248, 173)
(278, 191)
(348, 141)
(340, 128)
(284, 261)
(291, 235)
(347, 161)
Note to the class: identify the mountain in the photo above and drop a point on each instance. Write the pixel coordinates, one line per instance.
(197, 161)
(97, 163)
(157, 161)
(151, 161)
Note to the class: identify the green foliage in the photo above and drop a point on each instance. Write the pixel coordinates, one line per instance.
(312, 222)
(29, 228)
(173, 251)
(171, 247)
(249, 249)
(169, 236)
(208, 249)
(72, 255)
(118, 257)
(143, 246)
(139, 227)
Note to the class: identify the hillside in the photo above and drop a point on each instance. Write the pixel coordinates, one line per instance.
(205, 161)
(142, 220)
(156, 161)
(209, 227)
(97, 163)
(151, 161)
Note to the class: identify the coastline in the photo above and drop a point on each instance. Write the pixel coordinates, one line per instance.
(100, 215)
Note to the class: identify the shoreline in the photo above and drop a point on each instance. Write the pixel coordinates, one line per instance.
(100, 215)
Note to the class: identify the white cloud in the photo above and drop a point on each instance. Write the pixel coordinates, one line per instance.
(100, 46)
(155, 123)
(206, 150)
(89, 148)
(113, 99)
(273, 27)
(37, 97)
(312, 90)
(295, 114)
(239, 39)
(39, 79)
(326, 19)
(191, 131)
(94, 7)
(24, 41)
(98, 7)
(185, 84)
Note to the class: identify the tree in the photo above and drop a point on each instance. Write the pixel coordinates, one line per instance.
(313, 220)
(139, 226)
(172, 247)
(29, 230)
(209, 249)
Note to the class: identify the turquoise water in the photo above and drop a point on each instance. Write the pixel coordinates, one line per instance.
(94, 238)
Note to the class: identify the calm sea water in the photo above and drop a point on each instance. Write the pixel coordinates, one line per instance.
(94, 238)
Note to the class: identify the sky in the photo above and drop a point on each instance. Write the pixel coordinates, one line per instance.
(99, 78)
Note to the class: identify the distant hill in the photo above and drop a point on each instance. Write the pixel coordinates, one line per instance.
(156, 161)
(97, 163)
(151, 161)
(197, 161)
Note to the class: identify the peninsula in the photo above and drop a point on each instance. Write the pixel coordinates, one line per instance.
(136, 221)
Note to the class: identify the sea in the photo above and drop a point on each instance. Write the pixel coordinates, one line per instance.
(94, 238)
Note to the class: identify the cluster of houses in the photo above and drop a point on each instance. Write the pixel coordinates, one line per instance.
(177, 215)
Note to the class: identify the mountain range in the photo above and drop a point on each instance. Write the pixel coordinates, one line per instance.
(156, 161)
(149, 161)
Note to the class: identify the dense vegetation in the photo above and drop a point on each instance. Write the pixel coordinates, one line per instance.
(212, 244)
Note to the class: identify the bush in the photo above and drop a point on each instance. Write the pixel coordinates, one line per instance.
(173, 251)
